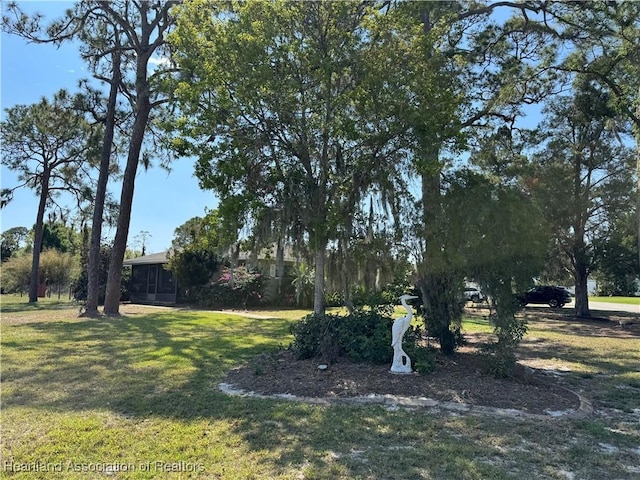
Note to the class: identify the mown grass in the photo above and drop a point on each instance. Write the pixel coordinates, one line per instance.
(625, 300)
(139, 393)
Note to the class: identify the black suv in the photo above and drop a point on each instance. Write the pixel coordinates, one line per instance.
(556, 297)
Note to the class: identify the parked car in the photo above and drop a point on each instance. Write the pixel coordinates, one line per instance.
(473, 294)
(566, 289)
(556, 297)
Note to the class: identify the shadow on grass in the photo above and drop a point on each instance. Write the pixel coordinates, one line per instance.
(168, 365)
(25, 306)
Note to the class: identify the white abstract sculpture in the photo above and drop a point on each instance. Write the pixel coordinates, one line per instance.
(401, 361)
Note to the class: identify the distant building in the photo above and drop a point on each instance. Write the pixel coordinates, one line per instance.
(151, 282)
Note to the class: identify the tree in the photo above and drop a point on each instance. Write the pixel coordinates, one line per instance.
(584, 176)
(501, 239)
(57, 269)
(141, 240)
(52, 146)
(80, 283)
(278, 104)
(16, 274)
(602, 38)
(201, 232)
(13, 240)
(144, 27)
(58, 236)
(123, 35)
(615, 253)
(196, 245)
(458, 75)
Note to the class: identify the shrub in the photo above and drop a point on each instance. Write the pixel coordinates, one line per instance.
(423, 358)
(312, 336)
(334, 299)
(80, 284)
(362, 336)
(365, 336)
(193, 268)
(500, 357)
(246, 289)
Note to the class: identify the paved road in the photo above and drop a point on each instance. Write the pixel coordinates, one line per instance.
(610, 307)
(615, 307)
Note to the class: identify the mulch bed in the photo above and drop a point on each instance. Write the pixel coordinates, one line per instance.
(458, 378)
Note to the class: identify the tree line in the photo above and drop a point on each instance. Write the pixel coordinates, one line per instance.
(304, 115)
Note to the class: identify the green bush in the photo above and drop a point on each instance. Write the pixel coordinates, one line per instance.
(334, 299)
(246, 289)
(362, 336)
(423, 358)
(311, 334)
(365, 336)
(500, 358)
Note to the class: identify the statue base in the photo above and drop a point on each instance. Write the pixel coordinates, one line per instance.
(401, 364)
(407, 372)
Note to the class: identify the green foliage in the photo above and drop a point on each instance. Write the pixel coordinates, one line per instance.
(303, 279)
(500, 355)
(235, 288)
(362, 336)
(194, 260)
(314, 336)
(382, 301)
(12, 240)
(193, 267)
(334, 299)
(325, 142)
(423, 358)
(79, 284)
(57, 268)
(442, 312)
(201, 232)
(616, 254)
(16, 274)
(504, 240)
(585, 176)
(365, 336)
(53, 147)
(60, 237)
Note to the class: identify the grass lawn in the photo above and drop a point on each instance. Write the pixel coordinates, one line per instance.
(136, 397)
(626, 300)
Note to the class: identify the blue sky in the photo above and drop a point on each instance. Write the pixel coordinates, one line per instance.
(162, 201)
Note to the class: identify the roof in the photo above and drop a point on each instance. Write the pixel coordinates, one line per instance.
(151, 259)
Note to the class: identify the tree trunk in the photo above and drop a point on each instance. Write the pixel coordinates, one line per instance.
(436, 278)
(37, 237)
(112, 294)
(93, 269)
(318, 288)
(280, 265)
(582, 294)
(638, 173)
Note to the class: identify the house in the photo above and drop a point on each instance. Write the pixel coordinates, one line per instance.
(151, 281)
(266, 260)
